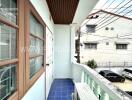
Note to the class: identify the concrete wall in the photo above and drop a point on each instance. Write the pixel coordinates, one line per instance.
(38, 90)
(62, 51)
(108, 53)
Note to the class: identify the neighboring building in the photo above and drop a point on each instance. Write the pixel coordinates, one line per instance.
(37, 49)
(111, 44)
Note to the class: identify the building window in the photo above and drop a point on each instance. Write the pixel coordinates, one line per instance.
(90, 28)
(8, 10)
(8, 49)
(7, 42)
(7, 81)
(90, 45)
(35, 34)
(22, 48)
(121, 46)
(36, 45)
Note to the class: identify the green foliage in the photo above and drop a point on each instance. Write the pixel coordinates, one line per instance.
(92, 63)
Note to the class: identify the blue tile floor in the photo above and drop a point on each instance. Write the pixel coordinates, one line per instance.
(61, 89)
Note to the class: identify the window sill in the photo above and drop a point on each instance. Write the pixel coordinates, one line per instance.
(32, 81)
(14, 96)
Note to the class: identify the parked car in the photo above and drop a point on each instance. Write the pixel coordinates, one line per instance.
(129, 92)
(112, 76)
(127, 73)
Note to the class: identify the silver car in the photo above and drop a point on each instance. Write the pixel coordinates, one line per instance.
(127, 73)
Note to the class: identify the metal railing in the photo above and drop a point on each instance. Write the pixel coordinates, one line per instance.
(114, 64)
(101, 87)
(7, 81)
(8, 13)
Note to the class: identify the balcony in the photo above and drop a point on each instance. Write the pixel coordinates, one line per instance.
(37, 52)
(100, 87)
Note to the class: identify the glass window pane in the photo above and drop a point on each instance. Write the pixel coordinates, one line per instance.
(32, 45)
(7, 42)
(32, 67)
(35, 65)
(90, 28)
(121, 46)
(39, 30)
(39, 46)
(32, 25)
(36, 46)
(35, 27)
(90, 45)
(7, 81)
(8, 10)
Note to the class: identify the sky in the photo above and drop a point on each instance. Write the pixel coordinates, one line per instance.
(121, 7)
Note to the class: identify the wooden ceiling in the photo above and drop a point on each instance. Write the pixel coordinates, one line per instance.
(62, 11)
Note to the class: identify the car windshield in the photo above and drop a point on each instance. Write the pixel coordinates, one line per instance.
(127, 70)
(111, 74)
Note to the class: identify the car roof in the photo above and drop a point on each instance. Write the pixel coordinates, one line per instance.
(106, 71)
(128, 70)
(109, 72)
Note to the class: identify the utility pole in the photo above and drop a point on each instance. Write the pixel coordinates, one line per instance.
(78, 46)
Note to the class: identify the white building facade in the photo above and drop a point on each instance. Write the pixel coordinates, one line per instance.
(107, 44)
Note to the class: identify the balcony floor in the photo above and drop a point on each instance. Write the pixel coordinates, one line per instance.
(61, 89)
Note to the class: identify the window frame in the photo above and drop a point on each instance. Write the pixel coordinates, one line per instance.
(23, 82)
(91, 28)
(19, 46)
(95, 44)
(29, 9)
(121, 44)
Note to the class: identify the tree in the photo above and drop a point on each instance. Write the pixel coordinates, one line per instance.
(92, 63)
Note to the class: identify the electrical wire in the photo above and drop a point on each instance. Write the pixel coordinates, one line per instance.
(100, 8)
(104, 3)
(110, 23)
(114, 20)
(97, 35)
(110, 4)
(100, 21)
(109, 38)
(111, 8)
(125, 35)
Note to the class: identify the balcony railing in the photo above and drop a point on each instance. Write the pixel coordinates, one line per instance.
(101, 87)
(114, 64)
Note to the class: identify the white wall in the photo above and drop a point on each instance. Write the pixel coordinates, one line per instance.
(83, 9)
(108, 53)
(37, 91)
(76, 73)
(42, 8)
(62, 51)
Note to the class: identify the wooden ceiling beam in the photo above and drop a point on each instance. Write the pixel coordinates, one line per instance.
(62, 11)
